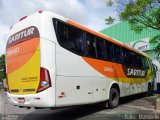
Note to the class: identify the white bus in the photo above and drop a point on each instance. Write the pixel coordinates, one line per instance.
(52, 61)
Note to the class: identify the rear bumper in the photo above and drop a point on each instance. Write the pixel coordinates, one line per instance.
(45, 98)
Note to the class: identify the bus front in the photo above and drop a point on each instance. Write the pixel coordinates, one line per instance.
(28, 78)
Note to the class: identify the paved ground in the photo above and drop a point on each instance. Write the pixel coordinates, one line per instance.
(130, 108)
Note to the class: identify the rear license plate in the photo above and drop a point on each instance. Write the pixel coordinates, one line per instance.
(21, 100)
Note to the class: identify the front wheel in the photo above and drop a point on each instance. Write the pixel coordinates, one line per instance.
(113, 98)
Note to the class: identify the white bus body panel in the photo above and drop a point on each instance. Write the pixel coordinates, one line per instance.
(46, 100)
(73, 71)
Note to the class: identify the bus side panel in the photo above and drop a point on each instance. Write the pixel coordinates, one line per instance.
(74, 79)
(100, 89)
(48, 62)
(77, 82)
(73, 90)
(85, 94)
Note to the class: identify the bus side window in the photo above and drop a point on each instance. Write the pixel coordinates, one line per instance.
(136, 60)
(139, 61)
(117, 54)
(126, 57)
(129, 54)
(91, 46)
(130, 58)
(62, 32)
(100, 48)
(145, 63)
(108, 50)
(79, 41)
(82, 43)
(71, 38)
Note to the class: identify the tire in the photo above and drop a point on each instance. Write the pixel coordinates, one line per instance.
(113, 98)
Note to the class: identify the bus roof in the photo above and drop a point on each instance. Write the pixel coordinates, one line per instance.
(83, 28)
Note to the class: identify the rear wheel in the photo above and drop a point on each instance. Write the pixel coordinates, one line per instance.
(113, 98)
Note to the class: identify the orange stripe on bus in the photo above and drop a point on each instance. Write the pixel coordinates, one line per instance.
(109, 69)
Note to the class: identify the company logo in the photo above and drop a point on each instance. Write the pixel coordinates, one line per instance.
(141, 45)
(133, 72)
(22, 35)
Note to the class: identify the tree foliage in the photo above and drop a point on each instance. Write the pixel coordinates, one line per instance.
(140, 14)
(2, 67)
(109, 2)
(109, 20)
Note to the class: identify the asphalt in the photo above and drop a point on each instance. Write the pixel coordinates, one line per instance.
(130, 108)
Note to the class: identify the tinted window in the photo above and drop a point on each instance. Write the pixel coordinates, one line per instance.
(117, 53)
(83, 43)
(128, 57)
(131, 58)
(108, 50)
(139, 61)
(145, 63)
(124, 56)
(100, 48)
(70, 37)
(91, 46)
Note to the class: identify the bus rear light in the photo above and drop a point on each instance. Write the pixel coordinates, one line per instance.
(44, 83)
(62, 93)
(40, 11)
(23, 18)
(45, 80)
(11, 27)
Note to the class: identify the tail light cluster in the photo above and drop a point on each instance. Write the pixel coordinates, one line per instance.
(23, 18)
(40, 11)
(45, 80)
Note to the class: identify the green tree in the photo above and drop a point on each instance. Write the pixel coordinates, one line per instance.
(109, 20)
(2, 68)
(140, 14)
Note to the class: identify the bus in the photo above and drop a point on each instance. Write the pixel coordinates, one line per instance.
(52, 61)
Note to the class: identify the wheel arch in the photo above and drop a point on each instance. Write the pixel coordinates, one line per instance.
(114, 85)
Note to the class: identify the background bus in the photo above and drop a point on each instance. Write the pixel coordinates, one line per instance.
(52, 61)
